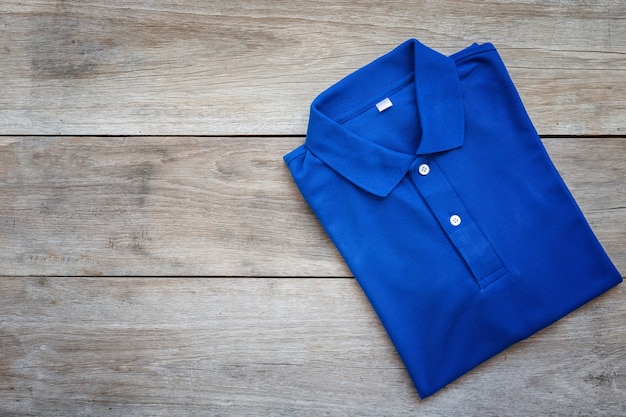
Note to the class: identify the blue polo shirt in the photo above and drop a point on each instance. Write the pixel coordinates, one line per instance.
(429, 177)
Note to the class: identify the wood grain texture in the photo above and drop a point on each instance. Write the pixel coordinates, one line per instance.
(211, 206)
(146, 138)
(292, 347)
(252, 68)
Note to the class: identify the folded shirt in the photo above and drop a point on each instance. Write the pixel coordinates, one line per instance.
(429, 177)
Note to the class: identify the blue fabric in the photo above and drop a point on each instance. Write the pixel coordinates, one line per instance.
(446, 208)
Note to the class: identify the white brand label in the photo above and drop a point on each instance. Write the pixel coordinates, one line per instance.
(384, 104)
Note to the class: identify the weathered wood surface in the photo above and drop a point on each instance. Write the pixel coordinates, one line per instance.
(249, 67)
(260, 347)
(277, 327)
(211, 206)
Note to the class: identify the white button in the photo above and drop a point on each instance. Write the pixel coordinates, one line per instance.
(424, 169)
(455, 220)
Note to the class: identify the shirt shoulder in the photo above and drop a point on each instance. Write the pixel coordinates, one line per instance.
(473, 49)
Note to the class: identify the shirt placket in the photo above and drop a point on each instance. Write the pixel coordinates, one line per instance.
(456, 221)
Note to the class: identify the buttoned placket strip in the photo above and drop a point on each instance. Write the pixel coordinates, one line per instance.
(456, 221)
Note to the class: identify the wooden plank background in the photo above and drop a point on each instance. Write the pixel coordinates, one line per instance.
(142, 139)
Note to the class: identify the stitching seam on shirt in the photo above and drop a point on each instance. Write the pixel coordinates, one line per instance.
(482, 232)
(472, 50)
(404, 82)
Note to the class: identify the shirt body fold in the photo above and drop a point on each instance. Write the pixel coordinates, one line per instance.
(429, 177)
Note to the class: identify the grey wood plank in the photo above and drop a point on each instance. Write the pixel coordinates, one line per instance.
(243, 67)
(249, 347)
(156, 206)
(211, 206)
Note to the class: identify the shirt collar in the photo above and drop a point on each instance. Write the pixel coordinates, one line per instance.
(370, 166)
